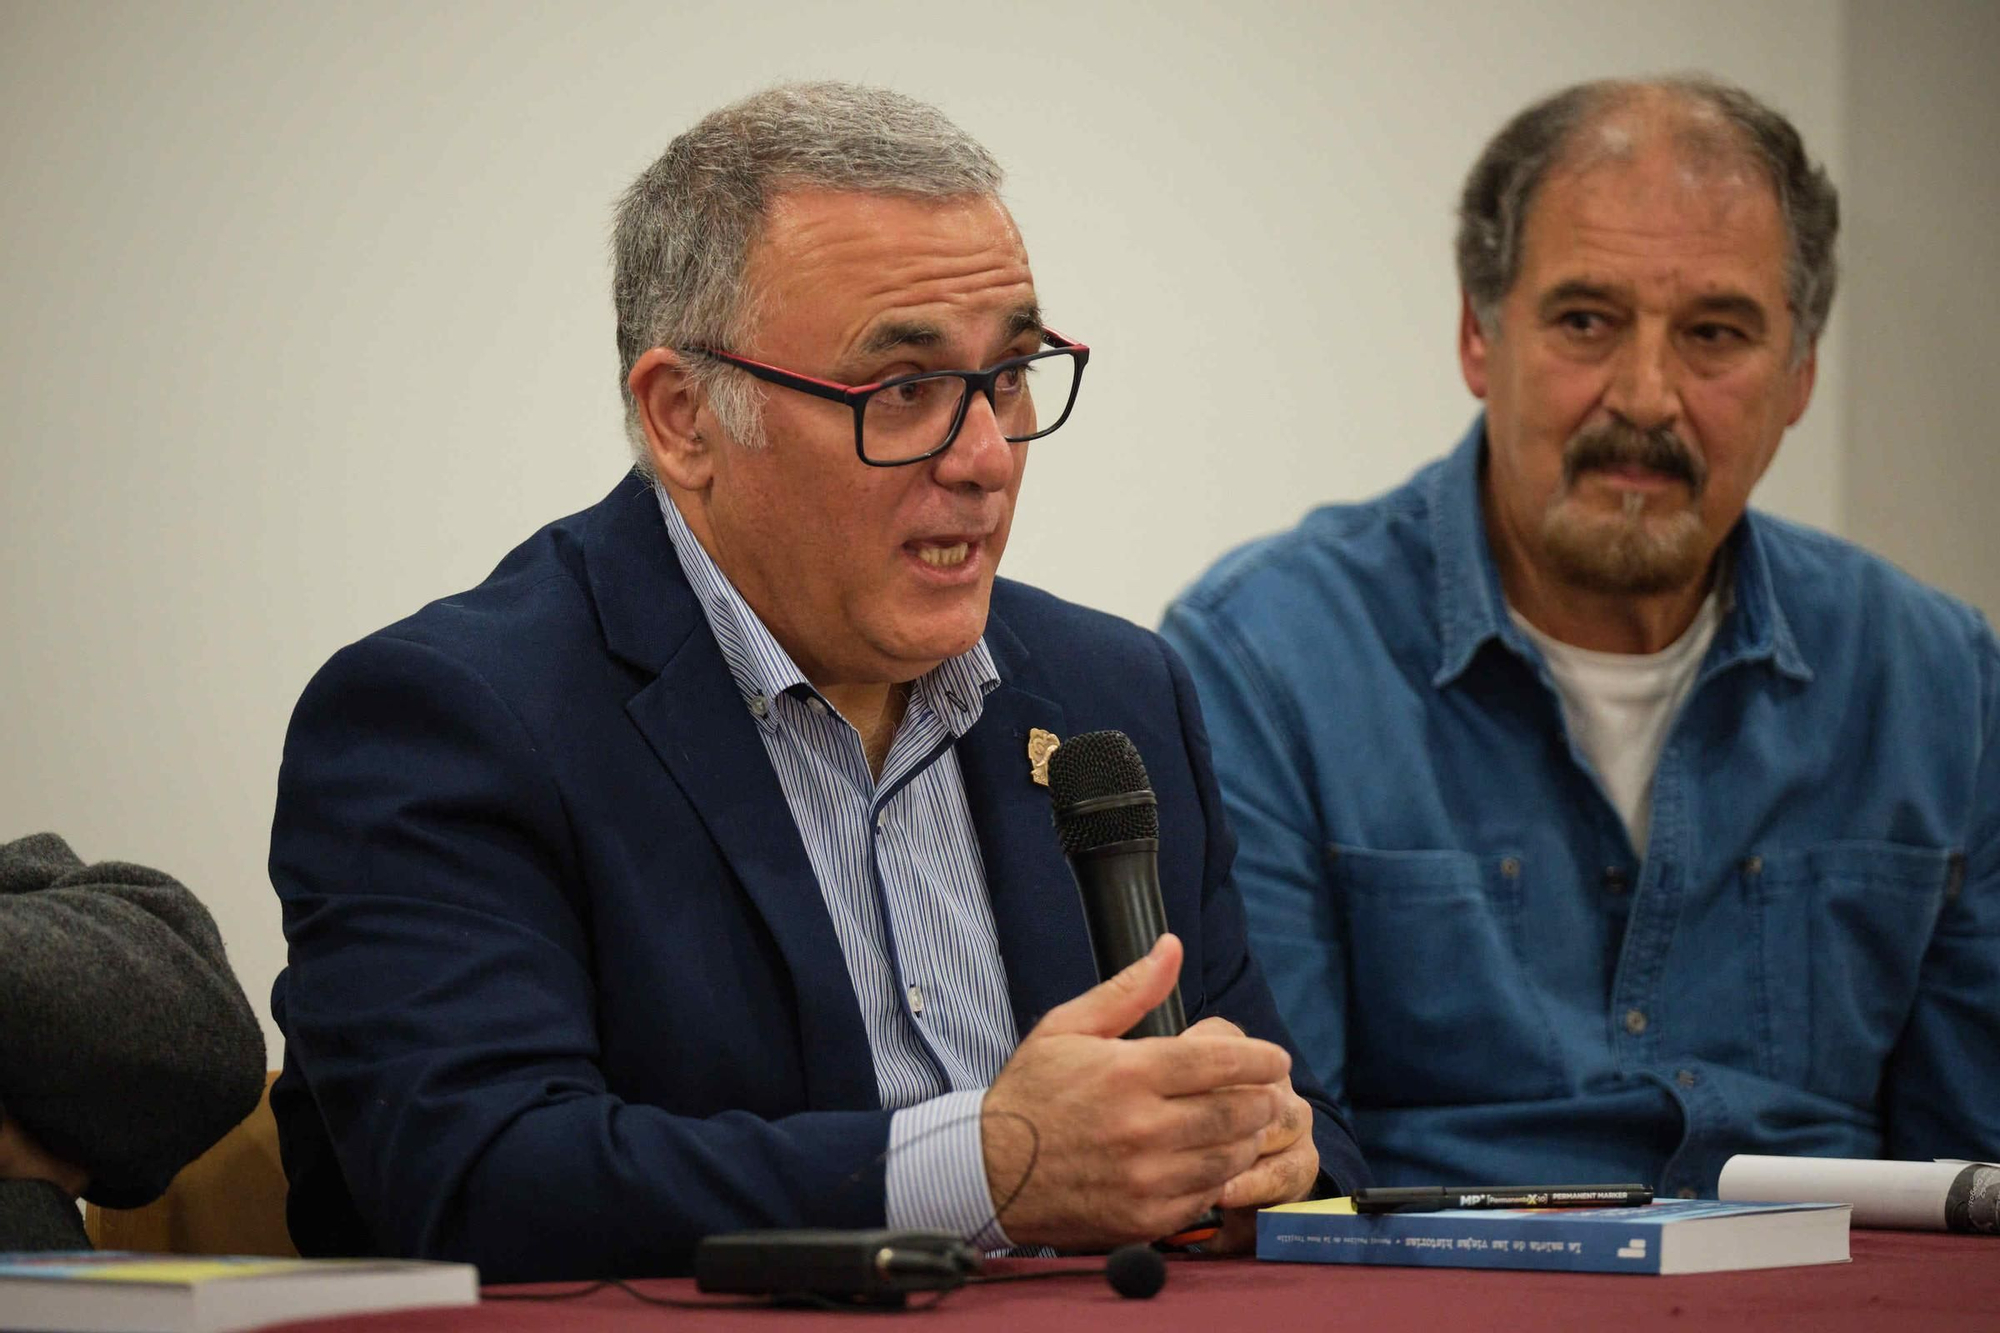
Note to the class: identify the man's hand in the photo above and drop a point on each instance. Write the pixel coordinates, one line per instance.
(1287, 1164)
(1131, 1139)
(21, 1158)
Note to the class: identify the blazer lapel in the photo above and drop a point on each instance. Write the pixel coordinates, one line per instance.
(1036, 912)
(694, 718)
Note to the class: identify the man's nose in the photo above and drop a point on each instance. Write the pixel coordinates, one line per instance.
(980, 456)
(1645, 380)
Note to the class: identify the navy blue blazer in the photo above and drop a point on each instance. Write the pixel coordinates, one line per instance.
(563, 996)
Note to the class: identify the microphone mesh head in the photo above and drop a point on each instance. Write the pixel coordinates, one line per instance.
(1136, 1271)
(1093, 765)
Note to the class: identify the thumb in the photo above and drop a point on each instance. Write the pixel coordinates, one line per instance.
(1112, 1006)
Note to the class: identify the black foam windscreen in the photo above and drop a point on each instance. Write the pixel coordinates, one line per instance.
(1136, 1272)
(1091, 771)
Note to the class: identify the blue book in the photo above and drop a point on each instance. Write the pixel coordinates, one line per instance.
(1673, 1236)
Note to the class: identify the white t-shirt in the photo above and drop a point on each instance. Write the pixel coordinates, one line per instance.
(1619, 706)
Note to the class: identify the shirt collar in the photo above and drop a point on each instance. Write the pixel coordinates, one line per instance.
(1472, 610)
(955, 690)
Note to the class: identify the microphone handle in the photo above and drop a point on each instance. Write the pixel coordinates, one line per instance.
(1120, 887)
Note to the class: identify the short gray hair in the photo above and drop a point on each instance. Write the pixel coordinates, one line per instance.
(684, 230)
(1500, 189)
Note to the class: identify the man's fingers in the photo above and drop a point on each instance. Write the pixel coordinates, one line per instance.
(1180, 1067)
(1293, 1120)
(1225, 1116)
(1215, 1025)
(1112, 1006)
(1279, 1178)
(1197, 1171)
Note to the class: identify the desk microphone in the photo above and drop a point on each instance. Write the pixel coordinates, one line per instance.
(882, 1267)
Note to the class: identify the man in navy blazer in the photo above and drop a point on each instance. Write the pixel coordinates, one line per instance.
(690, 873)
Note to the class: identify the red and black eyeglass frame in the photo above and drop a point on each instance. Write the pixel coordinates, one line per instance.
(856, 396)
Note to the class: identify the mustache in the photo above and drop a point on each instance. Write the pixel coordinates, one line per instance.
(1620, 444)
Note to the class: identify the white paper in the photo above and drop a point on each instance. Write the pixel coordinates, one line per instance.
(1903, 1195)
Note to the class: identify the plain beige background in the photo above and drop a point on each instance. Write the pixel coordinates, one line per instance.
(304, 315)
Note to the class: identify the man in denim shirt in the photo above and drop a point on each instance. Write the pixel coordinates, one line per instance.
(1594, 827)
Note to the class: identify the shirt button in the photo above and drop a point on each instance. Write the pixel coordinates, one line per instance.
(881, 821)
(816, 706)
(1616, 880)
(1685, 1192)
(1635, 1021)
(759, 706)
(917, 1001)
(1511, 867)
(1753, 865)
(1686, 1078)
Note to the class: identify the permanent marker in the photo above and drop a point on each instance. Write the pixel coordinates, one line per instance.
(1435, 1198)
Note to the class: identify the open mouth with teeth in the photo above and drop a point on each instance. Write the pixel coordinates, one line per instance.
(944, 556)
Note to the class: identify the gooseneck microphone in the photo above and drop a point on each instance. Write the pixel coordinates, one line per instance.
(882, 1267)
(1109, 824)
(1136, 1272)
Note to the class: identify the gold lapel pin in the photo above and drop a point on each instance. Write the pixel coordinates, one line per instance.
(1041, 744)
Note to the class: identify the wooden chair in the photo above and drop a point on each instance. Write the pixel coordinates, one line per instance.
(229, 1200)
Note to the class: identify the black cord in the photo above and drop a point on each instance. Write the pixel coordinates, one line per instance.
(984, 1281)
(592, 1288)
(811, 1298)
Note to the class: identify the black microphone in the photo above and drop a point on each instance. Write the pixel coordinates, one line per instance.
(1136, 1272)
(866, 1267)
(1109, 824)
(882, 1267)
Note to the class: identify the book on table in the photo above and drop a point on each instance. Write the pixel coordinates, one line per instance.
(100, 1291)
(1670, 1236)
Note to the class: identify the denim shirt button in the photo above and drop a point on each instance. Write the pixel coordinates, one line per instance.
(1635, 1021)
(1511, 867)
(1686, 1078)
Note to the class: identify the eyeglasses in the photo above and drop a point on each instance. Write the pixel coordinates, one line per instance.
(913, 417)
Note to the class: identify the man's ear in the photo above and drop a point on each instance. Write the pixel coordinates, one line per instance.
(1472, 347)
(1803, 377)
(672, 412)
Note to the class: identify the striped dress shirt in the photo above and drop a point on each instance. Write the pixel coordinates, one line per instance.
(897, 859)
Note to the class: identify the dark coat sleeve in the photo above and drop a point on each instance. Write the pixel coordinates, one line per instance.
(126, 1045)
(440, 1008)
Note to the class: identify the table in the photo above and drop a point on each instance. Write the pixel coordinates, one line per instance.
(1907, 1282)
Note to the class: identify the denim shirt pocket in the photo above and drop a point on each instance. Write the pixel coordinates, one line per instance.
(1440, 1007)
(1841, 932)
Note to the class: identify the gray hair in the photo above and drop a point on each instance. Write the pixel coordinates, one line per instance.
(1493, 210)
(684, 230)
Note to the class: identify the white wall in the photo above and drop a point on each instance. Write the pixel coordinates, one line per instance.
(303, 313)
(1922, 289)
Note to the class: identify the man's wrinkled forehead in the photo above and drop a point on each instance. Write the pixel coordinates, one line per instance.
(884, 272)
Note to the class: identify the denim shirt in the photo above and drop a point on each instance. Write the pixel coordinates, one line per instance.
(1459, 933)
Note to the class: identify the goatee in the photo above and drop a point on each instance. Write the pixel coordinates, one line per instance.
(1631, 552)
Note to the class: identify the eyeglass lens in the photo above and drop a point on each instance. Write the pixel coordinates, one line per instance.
(913, 418)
